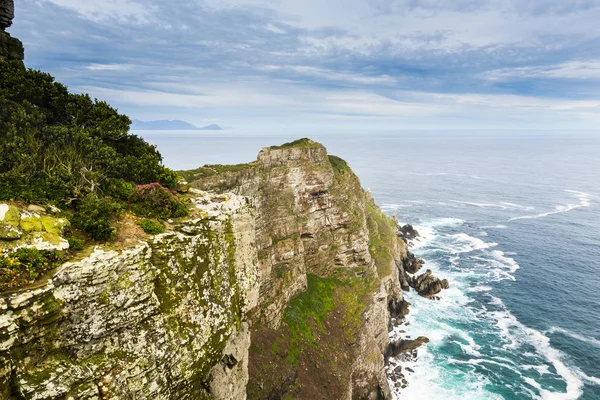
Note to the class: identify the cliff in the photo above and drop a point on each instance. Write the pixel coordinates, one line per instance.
(10, 48)
(330, 263)
(164, 318)
(282, 283)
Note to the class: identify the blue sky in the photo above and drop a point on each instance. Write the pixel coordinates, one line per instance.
(327, 64)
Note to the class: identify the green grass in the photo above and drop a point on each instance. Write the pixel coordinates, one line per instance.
(381, 237)
(304, 142)
(212, 170)
(151, 226)
(339, 164)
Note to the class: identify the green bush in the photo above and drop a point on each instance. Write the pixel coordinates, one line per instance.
(151, 227)
(67, 148)
(94, 216)
(26, 264)
(156, 201)
(75, 244)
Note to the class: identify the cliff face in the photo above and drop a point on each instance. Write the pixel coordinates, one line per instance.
(284, 288)
(315, 223)
(10, 48)
(164, 319)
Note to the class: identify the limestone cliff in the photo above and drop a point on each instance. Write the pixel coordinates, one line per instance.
(163, 319)
(10, 48)
(315, 220)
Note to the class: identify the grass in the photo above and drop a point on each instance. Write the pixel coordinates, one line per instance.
(304, 142)
(381, 240)
(339, 164)
(212, 170)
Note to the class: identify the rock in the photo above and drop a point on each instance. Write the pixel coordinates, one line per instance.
(182, 187)
(10, 48)
(407, 233)
(412, 264)
(9, 232)
(35, 208)
(402, 346)
(428, 285)
(7, 13)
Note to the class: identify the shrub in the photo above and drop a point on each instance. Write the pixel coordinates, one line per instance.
(67, 149)
(94, 216)
(151, 227)
(26, 264)
(75, 244)
(155, 201)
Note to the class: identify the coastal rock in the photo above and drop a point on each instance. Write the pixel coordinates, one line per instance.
(402, 346)
(407, 233)
(412, 264)
(428, 285)
(7, 13)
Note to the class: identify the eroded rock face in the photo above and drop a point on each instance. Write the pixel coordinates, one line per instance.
(403, 346)
(10, 48)
(312, 219)
(7, 13)
(165, 319)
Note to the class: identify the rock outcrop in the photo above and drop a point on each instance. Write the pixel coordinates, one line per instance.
(407, 233)
(428, 285)
(10, 48)
(163, 319)
(315, 219)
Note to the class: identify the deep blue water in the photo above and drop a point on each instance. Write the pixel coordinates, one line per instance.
(510, 218)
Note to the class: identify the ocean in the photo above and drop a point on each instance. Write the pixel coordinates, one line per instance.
(511, 219)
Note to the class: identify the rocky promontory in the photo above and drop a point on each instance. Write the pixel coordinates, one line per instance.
(10, 48)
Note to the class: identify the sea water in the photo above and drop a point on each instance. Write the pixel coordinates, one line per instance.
(511, 219)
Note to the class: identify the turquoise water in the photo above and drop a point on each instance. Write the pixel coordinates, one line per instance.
(511, 219)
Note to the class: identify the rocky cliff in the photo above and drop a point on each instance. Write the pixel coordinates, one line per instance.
(10, 48)
(324, 244)
(282, 283)
(165, 318)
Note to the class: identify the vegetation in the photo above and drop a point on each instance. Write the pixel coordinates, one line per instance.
(339, 164)
(69, 150)
(26, 265)
(304, 142)
(381, 240)
(151, 227)
(211, 170)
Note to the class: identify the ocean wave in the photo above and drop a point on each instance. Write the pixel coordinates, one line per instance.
(469, 316)
(584, 201)
(393, 206)
(517, 335)
(589, 340)
(494, 227)
(466, 244)
(503, 205)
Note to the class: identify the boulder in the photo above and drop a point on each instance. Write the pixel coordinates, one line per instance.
(7, 13)
(412, 264)
(401, 346)
(407, 233)
(428, 285)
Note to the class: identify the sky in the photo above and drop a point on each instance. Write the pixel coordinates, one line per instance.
(279, 65)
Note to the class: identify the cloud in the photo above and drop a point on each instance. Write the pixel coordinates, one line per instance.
(99, 10)
(288, 61)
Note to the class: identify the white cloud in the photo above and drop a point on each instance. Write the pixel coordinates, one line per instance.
(98, 10)
(584, 70)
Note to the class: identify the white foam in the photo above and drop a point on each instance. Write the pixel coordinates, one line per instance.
(468, 244)
(393, 206)
(519, 334)
(589, 340)
(584, 201)
(494, 227)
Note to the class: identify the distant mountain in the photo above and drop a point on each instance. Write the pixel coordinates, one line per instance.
(168, 125)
